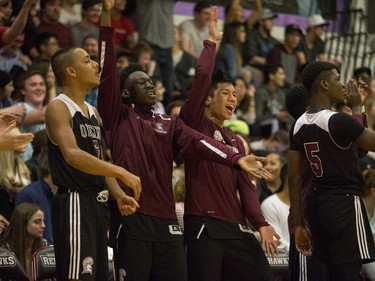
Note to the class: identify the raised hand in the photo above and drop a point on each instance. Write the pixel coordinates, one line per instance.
(108, 5)
(251, 165)
(352, 96)
(214, 34)
(363, 90)
(270, 240)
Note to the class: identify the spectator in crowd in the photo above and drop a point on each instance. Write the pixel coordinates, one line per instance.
(33, 91)
(364, 73)
(39, 145)
(50, 16)
(123, 60)
(215, 224)
(259, 42)
(276, 142)
(6, 12)
(124, 29)
(155, 20)
(236, 13)
(312, 46)
(90, 45)
(183, 67)
(147, 143)
(159, 95)
(271, 114)
(174, 107)
(229, 56)
(41, 192)
(12, 59)
(14, 176)
(274, 165)
(70, 12)
(25, 234)
(47, 44)
(275, 209)
(286, 54)
(245, 109)
(8, 34)
(194, 31)
(143, 56)
(88, 25)
(44, 66)
(6, 102)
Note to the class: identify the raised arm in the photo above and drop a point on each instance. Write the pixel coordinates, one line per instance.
(19, 22)
(60, 132)
(109, 97)
(254, 16)
(193, 110)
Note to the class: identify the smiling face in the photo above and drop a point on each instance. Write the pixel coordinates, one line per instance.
(139, 89)
(223, 103)
(35, 225)
(273, 165)
(34, 91)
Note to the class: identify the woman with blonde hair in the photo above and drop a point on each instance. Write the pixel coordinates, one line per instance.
(14, 176)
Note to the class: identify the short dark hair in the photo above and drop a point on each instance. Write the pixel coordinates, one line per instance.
(43, 38)
(44, 2)
(173, 104)
(296, 101)
(358, 71)
(312, 71)
(201, 5)
(219, 76)
(270, 69)
(87, 4)
(124, 74)
(59, 61)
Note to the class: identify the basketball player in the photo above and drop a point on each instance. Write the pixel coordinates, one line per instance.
(329, 141)
(75, 151)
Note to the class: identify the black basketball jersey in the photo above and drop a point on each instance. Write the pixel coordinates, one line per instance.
(88, 138)
(327, 139)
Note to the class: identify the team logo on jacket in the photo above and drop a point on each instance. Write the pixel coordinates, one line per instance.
(219, 137)
(87, 264)
(159, 128)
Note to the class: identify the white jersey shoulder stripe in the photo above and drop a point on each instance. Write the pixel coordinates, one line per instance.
(319, 119)
(73, 107)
